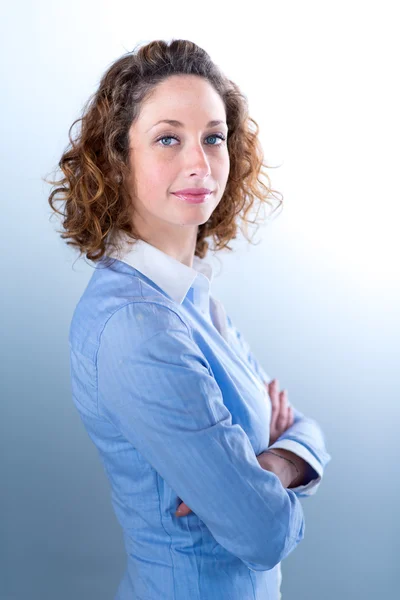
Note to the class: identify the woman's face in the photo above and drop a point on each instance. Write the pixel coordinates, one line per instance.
(165, 158)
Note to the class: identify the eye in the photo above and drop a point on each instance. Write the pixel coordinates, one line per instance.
(173, 137)
(218, 136)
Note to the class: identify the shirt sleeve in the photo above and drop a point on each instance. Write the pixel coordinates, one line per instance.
(304, 438)
(157, 388)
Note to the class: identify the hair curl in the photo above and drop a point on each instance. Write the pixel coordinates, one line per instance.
(95, 164)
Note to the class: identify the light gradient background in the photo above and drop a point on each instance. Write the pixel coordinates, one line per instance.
(320, 295)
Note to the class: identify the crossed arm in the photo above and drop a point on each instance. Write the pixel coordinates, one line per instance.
(158, 391)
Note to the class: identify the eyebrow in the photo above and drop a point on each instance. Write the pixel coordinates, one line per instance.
(179, 124)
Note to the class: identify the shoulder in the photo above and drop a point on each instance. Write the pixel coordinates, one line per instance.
(115, 307)
(143, 318)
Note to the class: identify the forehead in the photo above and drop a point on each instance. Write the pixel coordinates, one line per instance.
(183, 98)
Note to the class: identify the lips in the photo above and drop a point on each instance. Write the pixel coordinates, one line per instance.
(193, 198)
(193, 191)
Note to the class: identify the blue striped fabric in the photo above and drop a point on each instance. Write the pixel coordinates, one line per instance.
(176, 404)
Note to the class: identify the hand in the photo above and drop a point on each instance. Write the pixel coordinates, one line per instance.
(183, 510)
(281, 414)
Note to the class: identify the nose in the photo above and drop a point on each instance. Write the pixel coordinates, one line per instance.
(197, 162)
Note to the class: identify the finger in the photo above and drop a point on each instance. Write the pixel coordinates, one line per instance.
(291, 416)
(275, 404)
(283, 410)
(182, 510)
(288, 422)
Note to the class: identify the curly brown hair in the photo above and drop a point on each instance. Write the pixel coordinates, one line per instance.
(95, 164)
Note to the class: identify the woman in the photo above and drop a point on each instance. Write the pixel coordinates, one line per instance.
(166, 386)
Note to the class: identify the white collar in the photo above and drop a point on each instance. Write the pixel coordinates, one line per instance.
(171, 275)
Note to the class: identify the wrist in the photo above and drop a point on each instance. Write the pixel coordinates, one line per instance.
(300, 467)
(276, 464)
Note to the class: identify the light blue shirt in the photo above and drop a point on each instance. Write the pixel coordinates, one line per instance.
(175, 402)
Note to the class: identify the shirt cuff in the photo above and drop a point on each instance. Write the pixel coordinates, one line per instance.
(311, 487)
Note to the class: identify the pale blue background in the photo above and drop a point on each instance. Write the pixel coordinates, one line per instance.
(320, 296)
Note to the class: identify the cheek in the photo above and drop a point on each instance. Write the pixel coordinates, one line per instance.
(222, 163)
(154, 178)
